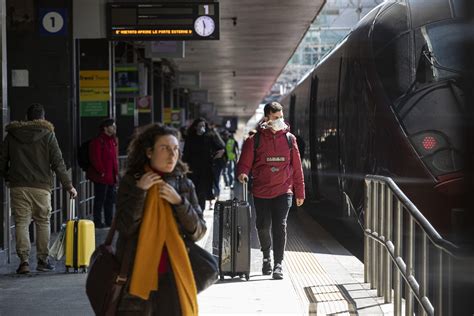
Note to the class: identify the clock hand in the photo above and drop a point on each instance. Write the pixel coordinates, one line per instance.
(204, 23)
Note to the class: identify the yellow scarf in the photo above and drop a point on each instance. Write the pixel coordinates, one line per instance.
(159, 228)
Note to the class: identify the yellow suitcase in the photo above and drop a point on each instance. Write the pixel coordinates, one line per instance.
(80, 241)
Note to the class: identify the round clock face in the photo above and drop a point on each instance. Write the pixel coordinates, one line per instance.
(204, 25)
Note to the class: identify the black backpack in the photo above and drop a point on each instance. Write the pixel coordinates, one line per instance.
(83, 155)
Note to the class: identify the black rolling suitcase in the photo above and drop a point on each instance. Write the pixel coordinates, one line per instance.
(232, 237)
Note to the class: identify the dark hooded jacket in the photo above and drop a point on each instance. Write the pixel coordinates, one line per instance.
(30, 155)
(130, 206)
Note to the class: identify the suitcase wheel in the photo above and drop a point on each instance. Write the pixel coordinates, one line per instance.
(221, 277)
(247, 276)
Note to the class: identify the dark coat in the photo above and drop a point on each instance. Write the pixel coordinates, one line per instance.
(104, 160)
(198, 153)
(130, 204)
(30, 154)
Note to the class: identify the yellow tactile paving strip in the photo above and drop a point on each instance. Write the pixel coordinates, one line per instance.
(313, 285)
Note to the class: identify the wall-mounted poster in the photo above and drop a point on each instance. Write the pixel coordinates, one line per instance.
(126, 79)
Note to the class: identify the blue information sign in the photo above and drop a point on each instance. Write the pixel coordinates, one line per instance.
(53, 21)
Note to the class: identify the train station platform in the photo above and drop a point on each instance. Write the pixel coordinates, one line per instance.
(321, 278)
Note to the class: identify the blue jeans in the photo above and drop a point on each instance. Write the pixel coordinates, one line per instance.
(229, 173)
(272, 213)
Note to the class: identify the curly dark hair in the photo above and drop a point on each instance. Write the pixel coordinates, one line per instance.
(144, 138)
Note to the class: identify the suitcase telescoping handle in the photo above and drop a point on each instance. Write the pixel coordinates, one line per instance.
(245, 191)
(72, 209)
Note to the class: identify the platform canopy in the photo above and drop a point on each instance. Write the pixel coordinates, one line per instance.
(257, 38)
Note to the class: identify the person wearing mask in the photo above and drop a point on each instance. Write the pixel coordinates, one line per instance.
(103, 171)
(30, 155)
(200, 149)
(156, 208)
(219, 159)
(277, 175)
(232, 152)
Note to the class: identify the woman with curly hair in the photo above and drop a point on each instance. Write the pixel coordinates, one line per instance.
(156, 208)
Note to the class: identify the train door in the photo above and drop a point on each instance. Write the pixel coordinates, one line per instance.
(313, 140)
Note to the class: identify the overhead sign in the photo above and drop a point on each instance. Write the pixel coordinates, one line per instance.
(191, 79)
(163, 21)
(198, 96)
(164, 49)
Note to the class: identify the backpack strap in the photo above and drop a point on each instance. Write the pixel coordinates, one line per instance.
(289, 139)
(256, 143)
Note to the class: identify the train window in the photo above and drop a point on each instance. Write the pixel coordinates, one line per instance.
(440, 48)
(393, 67)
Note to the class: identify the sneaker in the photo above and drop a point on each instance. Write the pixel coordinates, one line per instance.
(44, 266)
(24, 268)
(278, 272)
(266, 266)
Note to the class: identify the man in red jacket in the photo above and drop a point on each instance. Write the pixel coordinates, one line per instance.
(104, 171)
(276, 172)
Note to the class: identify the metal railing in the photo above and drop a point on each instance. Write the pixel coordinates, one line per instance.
(423, 266)
(85, 197)
(58, 211)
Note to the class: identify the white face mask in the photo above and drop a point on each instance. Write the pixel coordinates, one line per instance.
(278, 124)
(200, 131)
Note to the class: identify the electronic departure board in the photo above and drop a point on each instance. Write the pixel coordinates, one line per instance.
(161, 21)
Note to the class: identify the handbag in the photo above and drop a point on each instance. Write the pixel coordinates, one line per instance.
(204, 265)
(107, 276)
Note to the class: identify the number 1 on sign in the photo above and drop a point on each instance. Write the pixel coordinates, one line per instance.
(206, 9)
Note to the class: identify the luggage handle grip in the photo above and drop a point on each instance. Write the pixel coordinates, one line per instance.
(245, 191)
(72, 209)
(239, 238)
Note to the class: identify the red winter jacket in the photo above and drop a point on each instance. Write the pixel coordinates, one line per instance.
(274, 173)
(104, 160)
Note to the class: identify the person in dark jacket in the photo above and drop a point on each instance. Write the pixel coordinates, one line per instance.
(156, 208)
(200, 149)
(30, 155)
(277, 175)
(103, 155)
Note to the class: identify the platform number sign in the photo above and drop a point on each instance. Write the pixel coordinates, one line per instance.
(53, 22)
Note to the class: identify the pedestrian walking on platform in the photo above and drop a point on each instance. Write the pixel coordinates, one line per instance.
(30, 155)
(232, 152)
(200, 149)
(272, 158)
(156, 208)
(103, 171)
